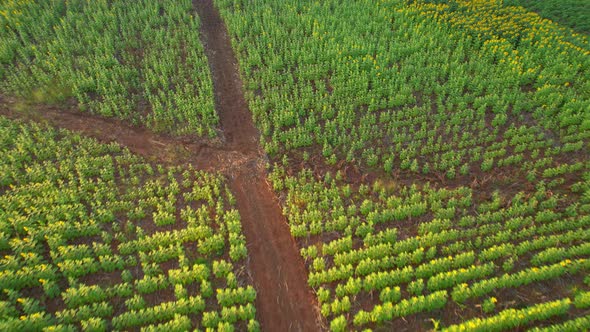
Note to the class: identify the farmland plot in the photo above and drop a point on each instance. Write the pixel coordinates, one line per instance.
(140, 61)
(417, 87)
(471, 120)
(414, 258)
(93, 237)
(430, 158)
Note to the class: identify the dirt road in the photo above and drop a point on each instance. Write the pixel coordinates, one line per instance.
(284, 302)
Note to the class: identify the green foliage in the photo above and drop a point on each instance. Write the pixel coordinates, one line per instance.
(116, 59)
(489, 305)
(463, 250)
(444, 87)
(68, 232)
(572, 13)
(512, 318)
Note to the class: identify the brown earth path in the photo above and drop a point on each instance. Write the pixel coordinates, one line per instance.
(161, 148)
(284, 300)
(236, 120)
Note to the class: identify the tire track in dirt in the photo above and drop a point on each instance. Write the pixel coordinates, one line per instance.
(284, 301)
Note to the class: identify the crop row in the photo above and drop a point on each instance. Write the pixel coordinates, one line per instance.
(82, 244)
(411, 85)
(141, 61)
(451, 249)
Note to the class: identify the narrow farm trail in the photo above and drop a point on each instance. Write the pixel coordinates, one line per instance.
(154, 147)
(284, 301)
(236, 121)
